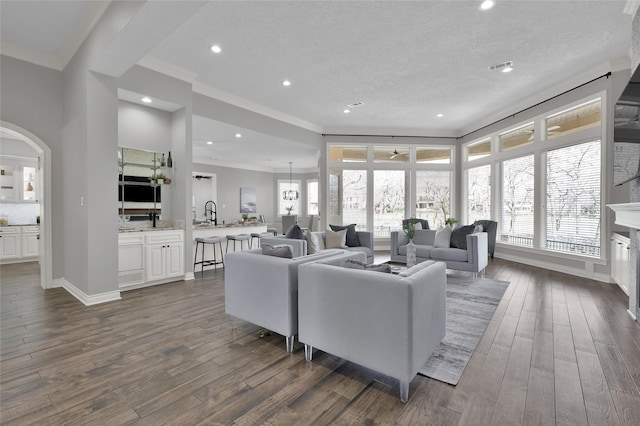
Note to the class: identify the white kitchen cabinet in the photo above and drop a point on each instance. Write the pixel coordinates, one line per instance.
(10, 243)
(19, 180)
(164, 254)
(150, 257)
(620, 264)
(30, 241)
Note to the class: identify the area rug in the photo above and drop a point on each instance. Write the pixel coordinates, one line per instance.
(470, 307)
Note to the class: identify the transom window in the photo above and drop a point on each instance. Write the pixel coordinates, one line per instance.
(518, 137)
(479, 150)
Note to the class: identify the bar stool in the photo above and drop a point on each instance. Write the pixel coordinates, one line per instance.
(239, 237)
(258, 236)
(208, 262)
(273, 231)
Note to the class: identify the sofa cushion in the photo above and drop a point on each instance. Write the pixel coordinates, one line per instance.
(352, 235)
(295, 232)
(422, 251)
(280, 250)
(356, 264)
(416, 268)
(362, 249)
(459, 236)
(335, 239)
(313, 245)
(443, 237)
(452, 254)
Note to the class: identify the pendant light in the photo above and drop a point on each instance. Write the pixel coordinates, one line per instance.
(290, 195)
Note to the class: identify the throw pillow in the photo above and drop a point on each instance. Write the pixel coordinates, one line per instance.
(295, 233)
(459, 236)
(417, 226)
(478, 228)
(443, 237)
(352, 235)
(335, 239)
(313, 245)
(356, 264)
(280, 250)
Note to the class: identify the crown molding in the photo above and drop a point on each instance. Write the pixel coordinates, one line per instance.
(631, 7)
(90, 18)
(46, 60)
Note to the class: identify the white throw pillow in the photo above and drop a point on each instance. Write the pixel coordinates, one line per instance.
(417, 225)
(336, 239)
(443, 237)
(313, 245)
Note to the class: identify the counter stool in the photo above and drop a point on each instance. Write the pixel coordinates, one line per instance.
(273, 231)
(258, 236)
(208, 262)
(239, 237)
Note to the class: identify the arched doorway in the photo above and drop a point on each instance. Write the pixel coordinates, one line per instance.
(44, 152)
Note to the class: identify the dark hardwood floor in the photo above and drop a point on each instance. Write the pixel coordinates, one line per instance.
(559, 350)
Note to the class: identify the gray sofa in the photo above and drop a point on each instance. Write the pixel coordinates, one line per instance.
(263, 290)
(474, 259)
(300, 246)
(389, 323)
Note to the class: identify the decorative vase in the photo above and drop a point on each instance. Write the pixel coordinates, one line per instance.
(411, 254)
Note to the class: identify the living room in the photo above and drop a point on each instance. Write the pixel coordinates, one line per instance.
(71, 112)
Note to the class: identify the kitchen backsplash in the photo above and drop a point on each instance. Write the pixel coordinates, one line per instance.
(19, 214)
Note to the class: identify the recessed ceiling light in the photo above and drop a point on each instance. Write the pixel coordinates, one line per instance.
(238, 135)
(216, 49)
(146, 100)
(286, 83)
(507, 69)
(487, 4)
(347, 111)
(439, 115)
(209, 142)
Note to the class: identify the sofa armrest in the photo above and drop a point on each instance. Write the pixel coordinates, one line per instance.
(397, 238)
(478, 250)
(366, 239)
(298, 247)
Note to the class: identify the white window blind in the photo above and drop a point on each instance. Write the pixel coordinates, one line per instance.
(573, 199)
(478, 204)
(517, 209)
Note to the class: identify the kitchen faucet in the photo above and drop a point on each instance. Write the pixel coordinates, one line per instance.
(212, 210)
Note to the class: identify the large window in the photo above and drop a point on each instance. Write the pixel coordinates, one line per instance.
(478, 193)
(573, 199)
(312, 197)
(517, 208)
(433, 196)
(388, 200)
(352, 185)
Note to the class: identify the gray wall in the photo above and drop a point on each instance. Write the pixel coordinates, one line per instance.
(32, 98)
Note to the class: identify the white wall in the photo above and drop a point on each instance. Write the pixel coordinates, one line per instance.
(144, 128)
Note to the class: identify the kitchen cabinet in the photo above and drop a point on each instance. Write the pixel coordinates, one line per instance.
(620, 263)
(164, 255)
(150, 257)
(19, 180)
(30, 241)
(10, 243)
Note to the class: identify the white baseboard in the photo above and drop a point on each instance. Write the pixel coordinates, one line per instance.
(189, 276)
(557, 268)
(85, 298)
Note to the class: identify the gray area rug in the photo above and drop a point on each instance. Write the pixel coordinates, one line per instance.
(470, 307)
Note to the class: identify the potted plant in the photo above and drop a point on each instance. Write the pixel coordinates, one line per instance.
(410, 232)
(157, 179)
(451, 221)
(289, 210)
(38, 219)
(245, 217)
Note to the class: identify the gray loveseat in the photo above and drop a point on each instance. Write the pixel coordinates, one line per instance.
(474, 259)
(388, 323)
(300, 246)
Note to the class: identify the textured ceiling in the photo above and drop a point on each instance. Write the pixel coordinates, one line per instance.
(406, 60)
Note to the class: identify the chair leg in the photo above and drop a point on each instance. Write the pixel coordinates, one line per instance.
(404, 391)
(308, 352)
(195, 256)
(289, 343)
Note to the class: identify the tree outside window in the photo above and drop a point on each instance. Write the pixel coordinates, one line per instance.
(433, 196)
(517, 201)
(388, 201)
(478, 193)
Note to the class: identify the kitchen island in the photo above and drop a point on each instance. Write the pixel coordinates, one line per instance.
(206, 231)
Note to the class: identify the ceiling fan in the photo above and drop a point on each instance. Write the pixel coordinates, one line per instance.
(395, 154)
(627, 115)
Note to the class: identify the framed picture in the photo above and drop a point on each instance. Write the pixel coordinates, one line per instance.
(248, 200)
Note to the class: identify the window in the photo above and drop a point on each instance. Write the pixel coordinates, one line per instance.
(517, 137)
(573, 199)
(517, 201)
(433, 196)
(581, 117)
(479, 150)
(348, 154)
(478, 193)
(312, 197)
(284, 205)
(390, 154)
(388, 201)
(354, 197)
(433, 155)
